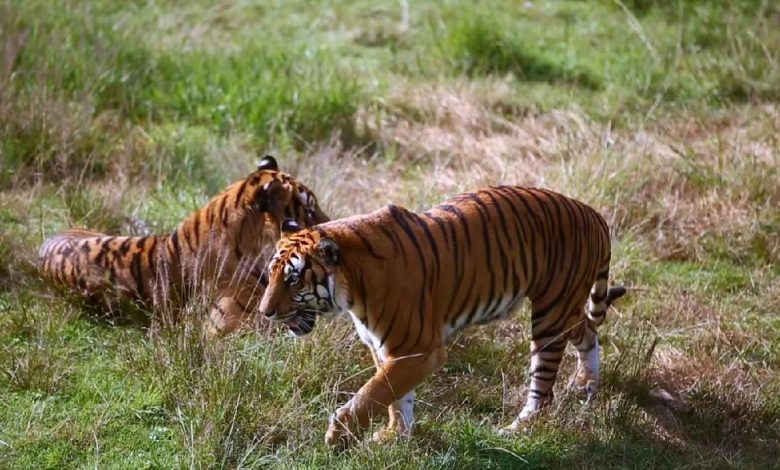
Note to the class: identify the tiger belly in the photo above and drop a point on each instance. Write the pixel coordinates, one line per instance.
(484, 314)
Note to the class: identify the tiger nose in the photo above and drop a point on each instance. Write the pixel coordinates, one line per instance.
(270, 313)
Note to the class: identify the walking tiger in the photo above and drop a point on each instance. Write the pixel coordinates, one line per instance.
(409, 281)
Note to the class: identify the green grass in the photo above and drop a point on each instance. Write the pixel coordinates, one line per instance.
(124, 117)
(479, 47)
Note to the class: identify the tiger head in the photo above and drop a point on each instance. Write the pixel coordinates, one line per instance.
(280, 196)
(301, 279)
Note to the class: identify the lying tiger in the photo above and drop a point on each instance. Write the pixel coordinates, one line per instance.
(222, 246)
(410, 281)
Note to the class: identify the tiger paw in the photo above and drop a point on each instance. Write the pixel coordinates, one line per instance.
(590, 387)
(385, 435)
(517, 427)
(529, 411)
(586, 382)
(389, 433)
(211, 331)
(342, 429)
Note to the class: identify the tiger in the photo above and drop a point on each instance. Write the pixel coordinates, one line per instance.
(409, 281)
(222, 246)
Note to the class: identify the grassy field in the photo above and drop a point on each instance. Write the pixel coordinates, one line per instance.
(126, 116)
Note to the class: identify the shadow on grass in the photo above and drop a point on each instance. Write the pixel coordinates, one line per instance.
(693, 416)
(638, 433)
(640, 419)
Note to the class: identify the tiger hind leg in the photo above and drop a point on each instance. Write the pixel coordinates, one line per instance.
(547, 349)
(586, 342)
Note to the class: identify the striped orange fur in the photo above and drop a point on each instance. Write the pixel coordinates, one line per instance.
(409, 281)
(220, 249)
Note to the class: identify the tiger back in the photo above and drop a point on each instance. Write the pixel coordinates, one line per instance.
(410, 281)
(218, 251)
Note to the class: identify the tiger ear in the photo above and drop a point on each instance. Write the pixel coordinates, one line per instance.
(273, 198)
(329, 251)
(268, 163)
(290, 226)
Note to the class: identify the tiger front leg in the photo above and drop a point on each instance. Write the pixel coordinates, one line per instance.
(394, 380)
(224, 317)
(234, 307)
(401, 412)
(401, 422)
(230, 313)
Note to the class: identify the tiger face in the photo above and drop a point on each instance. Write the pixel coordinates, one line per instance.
(281, 196)
(301, 279)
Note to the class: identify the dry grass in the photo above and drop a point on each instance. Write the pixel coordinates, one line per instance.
(682, 185)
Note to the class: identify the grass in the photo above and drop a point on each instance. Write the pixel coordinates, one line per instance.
(664, 115)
